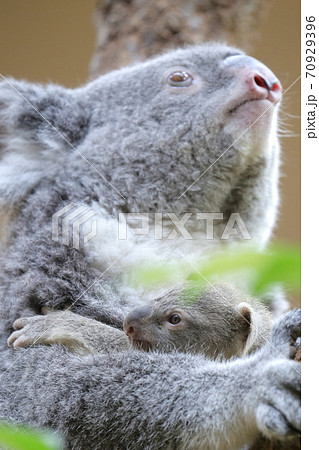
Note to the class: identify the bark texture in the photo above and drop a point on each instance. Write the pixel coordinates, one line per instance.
(130, 31)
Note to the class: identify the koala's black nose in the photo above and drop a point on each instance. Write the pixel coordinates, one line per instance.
(132, 320)
(129, 331)
(139, 313)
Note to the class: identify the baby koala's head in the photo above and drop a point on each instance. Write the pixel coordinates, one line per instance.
(213, 324)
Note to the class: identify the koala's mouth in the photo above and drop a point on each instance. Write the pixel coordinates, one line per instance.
(138, 344)
(244, 102)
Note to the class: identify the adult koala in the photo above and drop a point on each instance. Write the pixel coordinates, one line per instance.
(179, 134)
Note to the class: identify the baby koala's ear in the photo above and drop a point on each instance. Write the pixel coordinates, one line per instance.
(246, 319)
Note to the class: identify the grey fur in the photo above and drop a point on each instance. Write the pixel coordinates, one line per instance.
(151, 401)
(219, 322)
(81, 335)
(150, 142)
(215, 325)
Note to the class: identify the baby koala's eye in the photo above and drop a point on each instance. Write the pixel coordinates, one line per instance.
(174, 319)
(180, 79)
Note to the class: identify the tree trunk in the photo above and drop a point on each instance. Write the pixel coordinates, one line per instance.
(130, 31)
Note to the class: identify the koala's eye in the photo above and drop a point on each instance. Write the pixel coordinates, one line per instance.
(174, 319)
(180, 79)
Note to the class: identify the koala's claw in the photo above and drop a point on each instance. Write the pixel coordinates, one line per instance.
(297, 344)
(29, 331)
(286, 331)
(273, 424)
(20, 323)
(51, 328)
(278, 409)
(17, 340)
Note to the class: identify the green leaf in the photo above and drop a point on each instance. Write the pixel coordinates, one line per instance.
(14, 437)
(280, 264)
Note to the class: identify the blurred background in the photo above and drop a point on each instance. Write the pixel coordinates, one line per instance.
(53, 41)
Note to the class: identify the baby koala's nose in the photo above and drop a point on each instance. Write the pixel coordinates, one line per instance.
(129, 331)
(133, 320)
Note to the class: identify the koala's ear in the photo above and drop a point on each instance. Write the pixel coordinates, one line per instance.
(38, 127)
(245, 317)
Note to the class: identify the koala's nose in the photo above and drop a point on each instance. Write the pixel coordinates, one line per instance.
(259, 81)
(270, 85)
(129, 330)
(132, 320)
(263, 86)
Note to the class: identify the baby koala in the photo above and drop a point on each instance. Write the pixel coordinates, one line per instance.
(185, 319)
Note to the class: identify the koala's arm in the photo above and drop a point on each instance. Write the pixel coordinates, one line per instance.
(81, 335)
(38, 272)
(42, 128)
(151, 401)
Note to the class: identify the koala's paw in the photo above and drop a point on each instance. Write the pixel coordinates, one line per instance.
(276, 391)
(284, 341)
(278, 412)
(35, 330)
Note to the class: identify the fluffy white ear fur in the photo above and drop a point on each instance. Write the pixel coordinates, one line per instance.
(260, 320)
(247, 313)
(24, 161)
(23, 164)
(21, 168)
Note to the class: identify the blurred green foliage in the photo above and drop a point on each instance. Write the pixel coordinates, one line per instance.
(14, 437)
(279, 265)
